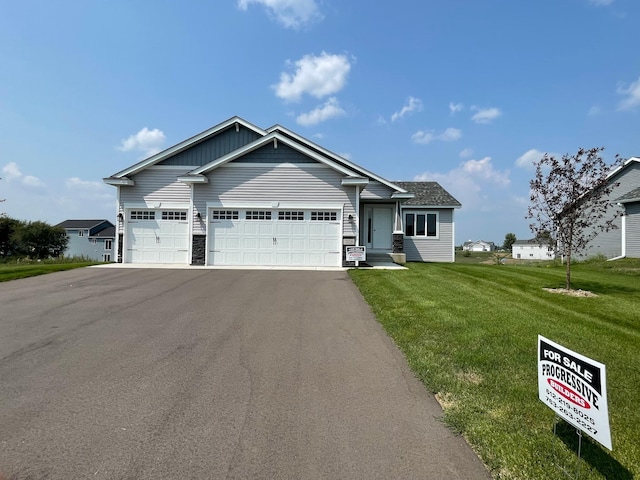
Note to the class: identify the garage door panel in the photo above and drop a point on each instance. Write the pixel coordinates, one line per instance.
(153, 240)
(271, 239)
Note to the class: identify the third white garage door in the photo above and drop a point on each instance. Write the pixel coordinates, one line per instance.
(274, 237)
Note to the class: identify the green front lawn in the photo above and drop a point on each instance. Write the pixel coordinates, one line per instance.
(13, 271)
(469, 331)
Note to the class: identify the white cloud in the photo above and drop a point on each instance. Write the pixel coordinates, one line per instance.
(455, 107)
(11, 171)
(485, 115)
(600, 2)
(31, 181)
(473, 183)
(413, 105)
(147, 141)
(425, 137)
(530, 157)
(290, 13)
(318, 76)
(466, 153)
(89, 189)
(330, 109)
(632, 96)
(594, 111)
(345, 155)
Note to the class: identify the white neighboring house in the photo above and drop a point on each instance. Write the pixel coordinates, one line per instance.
(534, 249)
(478, 246)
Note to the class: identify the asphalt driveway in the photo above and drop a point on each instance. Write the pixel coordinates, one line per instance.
(155, 373)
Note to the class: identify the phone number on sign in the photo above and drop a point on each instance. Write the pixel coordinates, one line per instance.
(570, 412)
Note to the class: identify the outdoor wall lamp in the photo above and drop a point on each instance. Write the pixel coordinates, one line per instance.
(350, 218)
(199, 215)
(120, 216)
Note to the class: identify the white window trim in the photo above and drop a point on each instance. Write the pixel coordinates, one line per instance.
(421, 212)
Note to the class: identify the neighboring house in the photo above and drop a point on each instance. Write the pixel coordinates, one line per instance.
(534, 249)
(623, 241)
(478, 246)
(240, 195)
(93, 239)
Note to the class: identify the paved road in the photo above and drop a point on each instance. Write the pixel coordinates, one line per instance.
(176, 374)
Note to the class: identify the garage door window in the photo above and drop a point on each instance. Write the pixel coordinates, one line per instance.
(174, 215)
(224, 215)
(258, 215)
(324, 216)
(142, 215)
(290, 215)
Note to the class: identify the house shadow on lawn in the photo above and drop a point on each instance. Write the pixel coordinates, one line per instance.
(592, 453)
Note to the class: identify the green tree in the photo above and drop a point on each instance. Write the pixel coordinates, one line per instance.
(509, 240)
(570, 201)
(40, 240)
(9, 236)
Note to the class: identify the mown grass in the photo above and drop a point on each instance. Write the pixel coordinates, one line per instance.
(469, 331)
(13, 271)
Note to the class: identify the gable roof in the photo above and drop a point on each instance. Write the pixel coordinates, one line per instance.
(83, 224)
(428, 194)
(189, 142)
(629, 197)
(622, 167)
(541, 242)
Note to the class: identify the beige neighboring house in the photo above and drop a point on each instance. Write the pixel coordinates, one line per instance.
(534, 249)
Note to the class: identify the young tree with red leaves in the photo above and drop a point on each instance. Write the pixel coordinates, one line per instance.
(570, 201)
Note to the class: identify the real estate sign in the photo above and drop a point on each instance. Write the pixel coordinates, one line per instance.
(356, 253)
(574, 387)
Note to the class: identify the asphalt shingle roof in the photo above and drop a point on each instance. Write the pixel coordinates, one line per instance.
(429, 194)
(632, 195)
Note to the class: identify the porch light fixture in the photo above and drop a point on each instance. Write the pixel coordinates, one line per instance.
(199, 215)
(350, 218)
(120, 217)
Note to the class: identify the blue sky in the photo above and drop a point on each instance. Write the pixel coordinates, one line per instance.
(466, 93)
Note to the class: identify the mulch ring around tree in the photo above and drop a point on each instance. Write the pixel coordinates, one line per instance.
(571, 293)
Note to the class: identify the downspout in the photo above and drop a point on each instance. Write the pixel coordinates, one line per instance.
(191, 210)
(624, 238)
(453, 235)
(357, 220)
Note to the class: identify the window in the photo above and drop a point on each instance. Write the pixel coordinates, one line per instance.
(142, 215)
(289, 215)
(108, 244)
(93, 241)
(81, 233)
(106, 257)
(324, 216)
(177, 215)
(421, 225)
(258, 215)
(224, 214)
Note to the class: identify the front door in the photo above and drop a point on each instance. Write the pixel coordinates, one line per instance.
(379, 233)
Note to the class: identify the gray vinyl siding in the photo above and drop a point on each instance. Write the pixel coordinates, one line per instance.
(157, 185)
(609, 243)
(431, 249)
(376, 191)
(633, 230)
(208, 150)
(292, 184)
(84, 246)
(269, 154)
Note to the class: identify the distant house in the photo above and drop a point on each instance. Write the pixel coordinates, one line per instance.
(534, 249)
(623, 241)
(478, 246)
(93, 239)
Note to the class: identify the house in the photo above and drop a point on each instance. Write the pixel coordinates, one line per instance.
(236, 194)
(623, 241)
(534, 249)
(478, 246)
(93, 239)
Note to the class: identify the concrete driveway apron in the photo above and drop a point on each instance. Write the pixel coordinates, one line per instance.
(157, 373)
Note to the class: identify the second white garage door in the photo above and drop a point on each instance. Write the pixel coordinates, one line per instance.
(274, 237)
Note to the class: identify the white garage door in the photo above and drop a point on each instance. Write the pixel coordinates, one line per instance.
(157, 236)
(274, 237)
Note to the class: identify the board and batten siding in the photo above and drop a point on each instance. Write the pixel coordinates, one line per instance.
(633, 230)
(609, 243)
(303, 184)
(157, 185)
(432, 249)
(208, 150)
